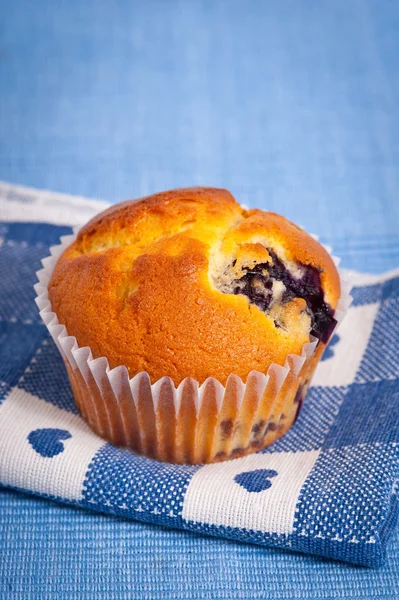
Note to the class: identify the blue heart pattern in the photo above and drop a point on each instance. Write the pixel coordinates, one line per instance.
(330, 351)
(47, 442)
(257, 480)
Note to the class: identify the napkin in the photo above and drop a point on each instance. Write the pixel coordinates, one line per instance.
(329, 487)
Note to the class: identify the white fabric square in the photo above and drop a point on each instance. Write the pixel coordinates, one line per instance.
(354, 333)
(230, 494)
(65, 438)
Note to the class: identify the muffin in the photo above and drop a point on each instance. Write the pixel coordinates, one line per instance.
(193, 325)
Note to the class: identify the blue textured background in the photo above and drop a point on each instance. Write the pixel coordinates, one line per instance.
(291, 104)
(294, 106)
(57, 552)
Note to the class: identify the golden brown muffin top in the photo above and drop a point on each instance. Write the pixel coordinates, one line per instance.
(187, 283)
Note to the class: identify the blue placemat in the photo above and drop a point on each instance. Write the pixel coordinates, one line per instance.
(50, 551)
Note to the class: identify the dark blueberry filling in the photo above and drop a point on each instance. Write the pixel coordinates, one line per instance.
(227, 428)
(258, 427)
(272, 427)
(257, 286)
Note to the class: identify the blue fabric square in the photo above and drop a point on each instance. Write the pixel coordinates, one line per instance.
(368, 294)
(47, 378)
(18, 264)
(18, 344)
(369, 413)
(40, 235)
(121, 482)
(390, 289)
(314, 421)
(381, 358)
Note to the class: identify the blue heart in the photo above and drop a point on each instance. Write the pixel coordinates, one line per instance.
(255, 481)
(46, 442)
(330, 351)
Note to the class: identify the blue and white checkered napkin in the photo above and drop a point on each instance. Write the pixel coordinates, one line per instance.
(328, 487)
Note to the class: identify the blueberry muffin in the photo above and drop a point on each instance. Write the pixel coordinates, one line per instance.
(186, 289)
